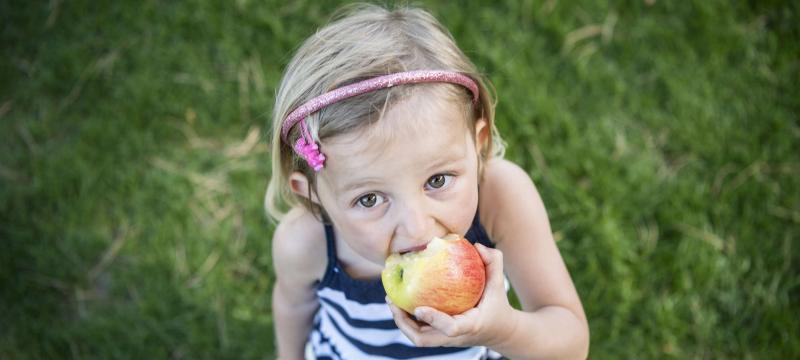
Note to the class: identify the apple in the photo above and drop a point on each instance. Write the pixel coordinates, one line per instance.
(447, 275)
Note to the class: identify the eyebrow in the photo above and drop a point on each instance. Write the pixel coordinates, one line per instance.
(447, 157)
(358, 184)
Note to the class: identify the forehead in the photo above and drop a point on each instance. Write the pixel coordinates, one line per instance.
(421, 124)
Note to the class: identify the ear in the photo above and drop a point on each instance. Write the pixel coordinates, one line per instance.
(482, 132)
(300, 186)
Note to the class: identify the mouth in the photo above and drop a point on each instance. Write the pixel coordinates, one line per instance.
(413, 249)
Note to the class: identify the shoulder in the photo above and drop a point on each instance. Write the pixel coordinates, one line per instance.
(504, 183)
(502, 172)
(299, 250)
(509, 199)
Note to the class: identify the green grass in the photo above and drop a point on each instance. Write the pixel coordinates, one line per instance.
(663, 136)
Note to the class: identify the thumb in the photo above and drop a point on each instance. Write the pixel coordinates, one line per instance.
(489, 255)
(493, 260)
(436, 319)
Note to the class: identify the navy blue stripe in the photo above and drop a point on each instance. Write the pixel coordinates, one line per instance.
(331, 250)
(396, 350)
(359, 323)
(361, 291)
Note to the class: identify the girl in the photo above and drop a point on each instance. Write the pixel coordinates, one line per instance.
(384, 137)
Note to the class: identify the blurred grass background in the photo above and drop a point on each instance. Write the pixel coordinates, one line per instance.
(663, 136)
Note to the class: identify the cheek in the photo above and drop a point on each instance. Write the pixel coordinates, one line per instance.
(468, 211)
(463, 207)
(367, 239)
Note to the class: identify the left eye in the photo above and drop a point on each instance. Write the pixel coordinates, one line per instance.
(370, 200)
(438, 181)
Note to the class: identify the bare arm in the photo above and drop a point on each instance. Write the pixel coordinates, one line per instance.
(293, 320)
(298, 254)
(552, 323)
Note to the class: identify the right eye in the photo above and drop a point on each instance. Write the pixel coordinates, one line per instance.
(370, 200)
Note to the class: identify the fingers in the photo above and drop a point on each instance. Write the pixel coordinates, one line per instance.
(421, 334)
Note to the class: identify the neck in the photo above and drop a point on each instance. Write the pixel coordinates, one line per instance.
(355, 265)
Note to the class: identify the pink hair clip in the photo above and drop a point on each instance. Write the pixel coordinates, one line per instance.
(308, 149)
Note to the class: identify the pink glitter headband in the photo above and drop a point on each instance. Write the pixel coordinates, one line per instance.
(308, 149)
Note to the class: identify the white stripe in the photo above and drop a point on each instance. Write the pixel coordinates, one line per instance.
(355, 310)
(319, 348)
(346, 349)
(374, 337)
(494, 354)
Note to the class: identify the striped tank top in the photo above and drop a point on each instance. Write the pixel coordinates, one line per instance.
(354, 321)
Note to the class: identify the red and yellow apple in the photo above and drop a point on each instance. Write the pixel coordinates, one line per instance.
(447, 275)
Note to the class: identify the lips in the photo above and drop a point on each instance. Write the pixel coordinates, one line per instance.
(413, 249)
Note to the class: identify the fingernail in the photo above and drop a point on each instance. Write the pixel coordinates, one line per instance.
(419, 313)
(388, 301)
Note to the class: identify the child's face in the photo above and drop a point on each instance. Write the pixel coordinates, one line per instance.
(396, 185)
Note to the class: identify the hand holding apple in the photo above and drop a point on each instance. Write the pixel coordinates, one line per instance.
(490, 323)
(448, 275)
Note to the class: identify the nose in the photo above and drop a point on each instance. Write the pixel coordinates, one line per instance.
(415, 223)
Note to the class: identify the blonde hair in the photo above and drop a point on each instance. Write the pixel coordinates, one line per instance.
(362, 42)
